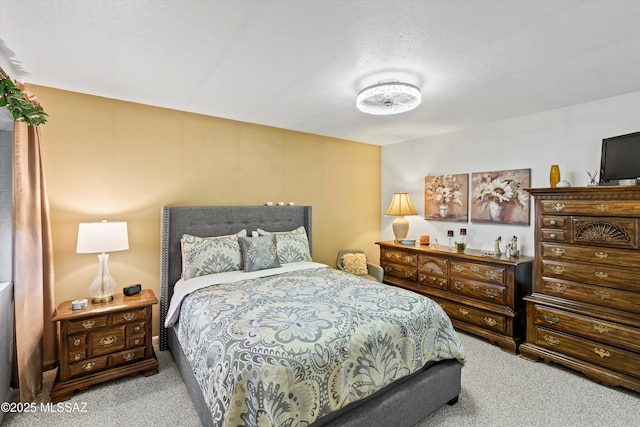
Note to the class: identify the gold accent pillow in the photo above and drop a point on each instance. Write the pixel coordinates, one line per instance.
(355, 264)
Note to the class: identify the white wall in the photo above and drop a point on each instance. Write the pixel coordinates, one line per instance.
(570, 137)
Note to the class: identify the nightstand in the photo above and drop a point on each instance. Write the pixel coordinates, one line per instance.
(102, 342)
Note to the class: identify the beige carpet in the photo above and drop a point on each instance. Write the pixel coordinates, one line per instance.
(498, 389)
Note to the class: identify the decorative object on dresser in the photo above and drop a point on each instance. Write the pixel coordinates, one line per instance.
(554, 176)
(585, 309)
(445, 197)
(499, 196)
(400, 206)
(104, 341)
(102, 237)
(482, 295)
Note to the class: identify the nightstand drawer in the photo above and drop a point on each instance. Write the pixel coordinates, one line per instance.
(127, 356)
(136, 329)
(87, 324)
(75, 356)
(77, 341)
(107, 341)
(128, 316)
(88, 367)
(135, 341)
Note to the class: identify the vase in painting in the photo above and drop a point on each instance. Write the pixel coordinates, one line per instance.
(444, 210)
(496, 211)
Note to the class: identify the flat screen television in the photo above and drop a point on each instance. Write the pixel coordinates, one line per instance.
(620, 161)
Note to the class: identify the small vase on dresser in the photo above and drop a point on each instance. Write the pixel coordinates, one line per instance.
(584, 312)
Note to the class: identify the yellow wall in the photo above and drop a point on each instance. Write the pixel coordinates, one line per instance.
(115, 160)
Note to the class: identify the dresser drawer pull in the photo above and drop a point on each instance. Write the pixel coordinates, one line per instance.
(459, 286)
(490, 321)
(551, 318)
(474, 269)
(387, 255)
(601, 274)
(388, 268)
(409, 259)
(408, 274)
(458, 269)
(88, 324)
(601, 254)
(491, 275)
(558, 287)
(558, 207)
(108, 341)
(136, 341)
(602, 295)
(475, 287)
(553, 222)
(603, 329)
(558, 269)
(137, 328)
(492, 293)
(558, 251)
(76, 342)
(128, 316)
(602, 352)
(551, 340)
(88, 367)
(128, 356)
(602, 208)
(553, 235)
(464, 311)
(77, 357)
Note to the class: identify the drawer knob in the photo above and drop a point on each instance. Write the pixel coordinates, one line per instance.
(553, 235)
(558, 269)
(492, 293)
(88, 324)
(558, 251)
(128, 316)
(558, 207)
(459, 286)
(601, 352)
(76, 342)
(128, 356)
(601, 274)
(553, 222)
(475, 287)
(77, 357)
(137, 341)
(108, 341)
(408, 274)
(551, 318)
(490, 321)
(458, 269)
(551, 340)
(388, 268)
(475, 269)
(464, 311)
(491, 275)
(137, 328)
(602, 328)
(87, 367)
(602, 295)
(601, 254)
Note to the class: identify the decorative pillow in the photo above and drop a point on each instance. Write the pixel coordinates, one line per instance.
(208, 255)
(292, 246)
(355, 264)
(259, 252)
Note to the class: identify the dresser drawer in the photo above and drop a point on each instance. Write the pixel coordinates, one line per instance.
(433, 266)
(554, 235)
(135, 329)
(597, 353)
(128, 316)
(135, 341)
(464, 313)
(483, 272)
(88, 366)
(77, 341)
(480, 290)
(87, 324)
(627, 208)
(611, 232)
(107, 341)
(591, 255)
(398, 257)
(127, 356)
(401, 271)
(548, 221)
(77, 355)
(596, 295)
(433, 281)
(609, 276)
(589, 327)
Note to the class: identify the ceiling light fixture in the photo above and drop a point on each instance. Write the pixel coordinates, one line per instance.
(390, 97)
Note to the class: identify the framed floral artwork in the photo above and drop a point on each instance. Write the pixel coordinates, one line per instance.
(446, 197)
(500, 196)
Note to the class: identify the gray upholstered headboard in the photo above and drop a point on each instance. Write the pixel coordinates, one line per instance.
(205, 221)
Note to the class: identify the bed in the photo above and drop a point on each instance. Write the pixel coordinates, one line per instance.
(406, 400)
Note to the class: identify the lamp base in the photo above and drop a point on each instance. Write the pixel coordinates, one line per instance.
(102, 300)
(400, 228)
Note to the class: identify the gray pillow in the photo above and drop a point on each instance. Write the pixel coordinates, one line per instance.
(293, 246)
(259, 252)
(208, 255)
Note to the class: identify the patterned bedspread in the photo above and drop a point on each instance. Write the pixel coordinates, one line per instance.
(286, 350)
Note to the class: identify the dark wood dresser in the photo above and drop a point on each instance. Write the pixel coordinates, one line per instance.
(104, 341)
(585, 309)
(482, 295)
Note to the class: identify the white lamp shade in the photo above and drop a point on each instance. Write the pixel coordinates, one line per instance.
(100, 237)
(401, 205)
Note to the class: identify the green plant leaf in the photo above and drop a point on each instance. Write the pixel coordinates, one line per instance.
(21, 109)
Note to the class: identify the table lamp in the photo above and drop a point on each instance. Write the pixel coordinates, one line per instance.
(102, 237)
(400, 206)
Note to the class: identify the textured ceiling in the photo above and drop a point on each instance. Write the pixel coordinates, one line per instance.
(298, 64)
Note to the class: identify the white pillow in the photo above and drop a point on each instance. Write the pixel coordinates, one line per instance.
(208, 255)
(292, 246)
